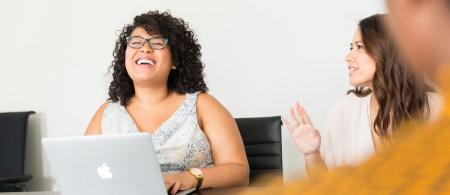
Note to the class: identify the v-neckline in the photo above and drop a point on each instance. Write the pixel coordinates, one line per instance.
(164, 123)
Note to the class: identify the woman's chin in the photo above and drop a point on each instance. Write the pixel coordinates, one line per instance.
(145, 80)
(355, 83)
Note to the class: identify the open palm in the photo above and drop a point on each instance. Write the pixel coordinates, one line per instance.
(305, 135)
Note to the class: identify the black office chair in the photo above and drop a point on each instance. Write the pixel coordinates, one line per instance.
(13, 126)
(262, 140)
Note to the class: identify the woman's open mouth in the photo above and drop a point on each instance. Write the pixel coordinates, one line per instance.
(145, 61)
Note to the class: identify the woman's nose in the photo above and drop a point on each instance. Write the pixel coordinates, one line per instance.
(146, 48)
(349, 57)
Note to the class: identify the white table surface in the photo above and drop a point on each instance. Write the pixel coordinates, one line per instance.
(29, 193)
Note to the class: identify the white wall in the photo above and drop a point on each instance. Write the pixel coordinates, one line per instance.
(260, 57)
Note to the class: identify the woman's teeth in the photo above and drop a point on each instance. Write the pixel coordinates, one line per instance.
(352, 69)
(145, 62)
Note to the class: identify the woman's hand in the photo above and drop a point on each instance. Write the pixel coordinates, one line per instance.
(305, 135)
(179, 181)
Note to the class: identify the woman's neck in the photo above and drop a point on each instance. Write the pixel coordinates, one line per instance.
(374, 107)
(150, 95)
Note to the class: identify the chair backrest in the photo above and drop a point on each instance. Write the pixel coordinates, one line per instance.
(13, 127)
(262, 140)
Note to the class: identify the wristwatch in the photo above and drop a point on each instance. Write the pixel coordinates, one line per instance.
(198, 174)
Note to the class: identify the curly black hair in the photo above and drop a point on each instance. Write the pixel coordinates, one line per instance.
(188, 76)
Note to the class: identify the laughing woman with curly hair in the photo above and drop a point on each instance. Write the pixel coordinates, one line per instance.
(158, 88)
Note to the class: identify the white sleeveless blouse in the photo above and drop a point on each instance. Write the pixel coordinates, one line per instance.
(179, 142)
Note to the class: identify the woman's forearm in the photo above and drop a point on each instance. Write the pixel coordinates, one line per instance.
(315, 164)
(225, 175)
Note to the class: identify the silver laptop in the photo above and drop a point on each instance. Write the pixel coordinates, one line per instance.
(105, 165)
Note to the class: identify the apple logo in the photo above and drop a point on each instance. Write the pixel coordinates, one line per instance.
(104, 171)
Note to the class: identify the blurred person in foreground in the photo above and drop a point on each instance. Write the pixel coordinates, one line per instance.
(420, 163)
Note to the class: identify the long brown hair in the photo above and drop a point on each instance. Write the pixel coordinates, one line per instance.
(401, 94)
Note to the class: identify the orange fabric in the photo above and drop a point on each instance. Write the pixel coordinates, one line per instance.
(417, 164)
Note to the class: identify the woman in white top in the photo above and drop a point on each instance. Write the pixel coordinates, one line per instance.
(386, 93)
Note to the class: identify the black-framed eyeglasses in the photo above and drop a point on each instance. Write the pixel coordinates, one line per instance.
(137, 42)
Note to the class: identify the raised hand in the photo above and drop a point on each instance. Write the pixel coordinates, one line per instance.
(302, 130)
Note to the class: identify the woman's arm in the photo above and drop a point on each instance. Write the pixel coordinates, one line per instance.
(230, 161)
(314, 164)
(307, 138)
(95, 126)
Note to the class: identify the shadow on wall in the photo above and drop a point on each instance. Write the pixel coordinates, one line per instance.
(34, 157)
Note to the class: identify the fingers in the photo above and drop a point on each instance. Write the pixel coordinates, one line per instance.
(168, 184)
(288, 125)
(303, 115)
(176, 187)
(298, 116)
(294, 118)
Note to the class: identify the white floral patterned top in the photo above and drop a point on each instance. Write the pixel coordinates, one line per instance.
(179, 142)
